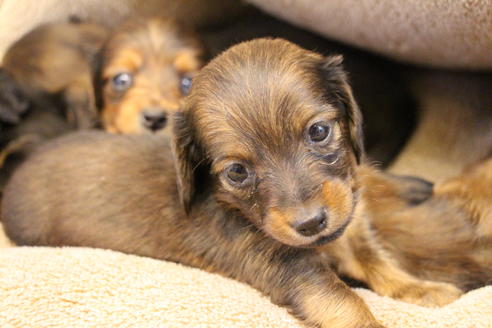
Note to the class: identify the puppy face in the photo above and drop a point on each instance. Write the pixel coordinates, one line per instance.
(148, 69)
(277, 130)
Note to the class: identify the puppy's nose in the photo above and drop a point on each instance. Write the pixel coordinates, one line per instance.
(154, 119)
(313, 225)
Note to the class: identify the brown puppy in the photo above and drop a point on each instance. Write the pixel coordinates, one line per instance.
(446, 237)
(59, 59)
(266, 155)
(148, 68)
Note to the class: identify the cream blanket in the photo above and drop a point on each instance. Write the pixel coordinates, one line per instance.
(82, 287)
(445, 33)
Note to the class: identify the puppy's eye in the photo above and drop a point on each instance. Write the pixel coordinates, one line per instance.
(186, 84)
(122, 81)
(237, 173)
(319, 131)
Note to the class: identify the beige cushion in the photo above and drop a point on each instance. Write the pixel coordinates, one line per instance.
(445, 33)
(84, 287)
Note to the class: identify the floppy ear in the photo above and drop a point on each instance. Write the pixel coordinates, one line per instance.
(187, 159)
(339, 91)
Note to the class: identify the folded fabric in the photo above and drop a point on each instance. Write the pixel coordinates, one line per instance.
(84, 287)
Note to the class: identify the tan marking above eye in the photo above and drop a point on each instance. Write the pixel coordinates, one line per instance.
(124, 60)
(187, 61)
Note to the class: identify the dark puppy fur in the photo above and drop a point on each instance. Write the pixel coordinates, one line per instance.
(55, 63)
(147, 69)
(266, 155)
(24, 125)
(13, 102)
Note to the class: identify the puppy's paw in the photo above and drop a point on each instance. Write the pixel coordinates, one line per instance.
(412, 189)
(429, 294)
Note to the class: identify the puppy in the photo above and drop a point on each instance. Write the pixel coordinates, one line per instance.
(59, 60)
(266, 154)
(446, 236)
(25, 124)
(147, 70)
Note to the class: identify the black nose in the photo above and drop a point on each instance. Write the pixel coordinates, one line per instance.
(154, 120)
(313, 225)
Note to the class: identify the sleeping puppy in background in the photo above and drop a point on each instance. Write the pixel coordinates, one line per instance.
(147, 69)
(266, 159)
(47, 88)
(55, 65)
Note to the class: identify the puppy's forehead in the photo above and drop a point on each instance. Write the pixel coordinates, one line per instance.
(140, 41)
(263, 90)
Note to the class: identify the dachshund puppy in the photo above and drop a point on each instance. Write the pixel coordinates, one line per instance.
(266, 155)
(59, 59)
(148, 68)
(446, 237)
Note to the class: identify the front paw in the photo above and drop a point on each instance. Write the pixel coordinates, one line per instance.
(429, 294)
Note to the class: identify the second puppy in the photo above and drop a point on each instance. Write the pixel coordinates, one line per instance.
(55, 64)
(148, 66)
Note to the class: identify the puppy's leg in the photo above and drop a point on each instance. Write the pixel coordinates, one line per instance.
(296, 278)
(81, 104)
(328, 302)
(359, 255)
(388, 192)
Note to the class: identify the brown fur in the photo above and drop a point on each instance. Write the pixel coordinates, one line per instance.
(446, 237)
(255, 104)
(59, 59)
(157, 54)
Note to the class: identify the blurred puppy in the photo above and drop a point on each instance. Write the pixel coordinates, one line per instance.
(55, 65)
(268, 190)
(147, 70)
(446, 237)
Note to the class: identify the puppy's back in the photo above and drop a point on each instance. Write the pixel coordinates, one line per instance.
(77, 188)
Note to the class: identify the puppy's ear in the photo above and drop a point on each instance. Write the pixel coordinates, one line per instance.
(339, 91)
(187, 159)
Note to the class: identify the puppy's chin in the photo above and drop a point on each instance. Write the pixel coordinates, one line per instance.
(322, 240)
(291, 238)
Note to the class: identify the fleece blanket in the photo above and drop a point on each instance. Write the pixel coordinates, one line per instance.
(83, 287)
(444, 33)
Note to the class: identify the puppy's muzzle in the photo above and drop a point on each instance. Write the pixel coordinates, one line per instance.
(312, 224)
(154, 119)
